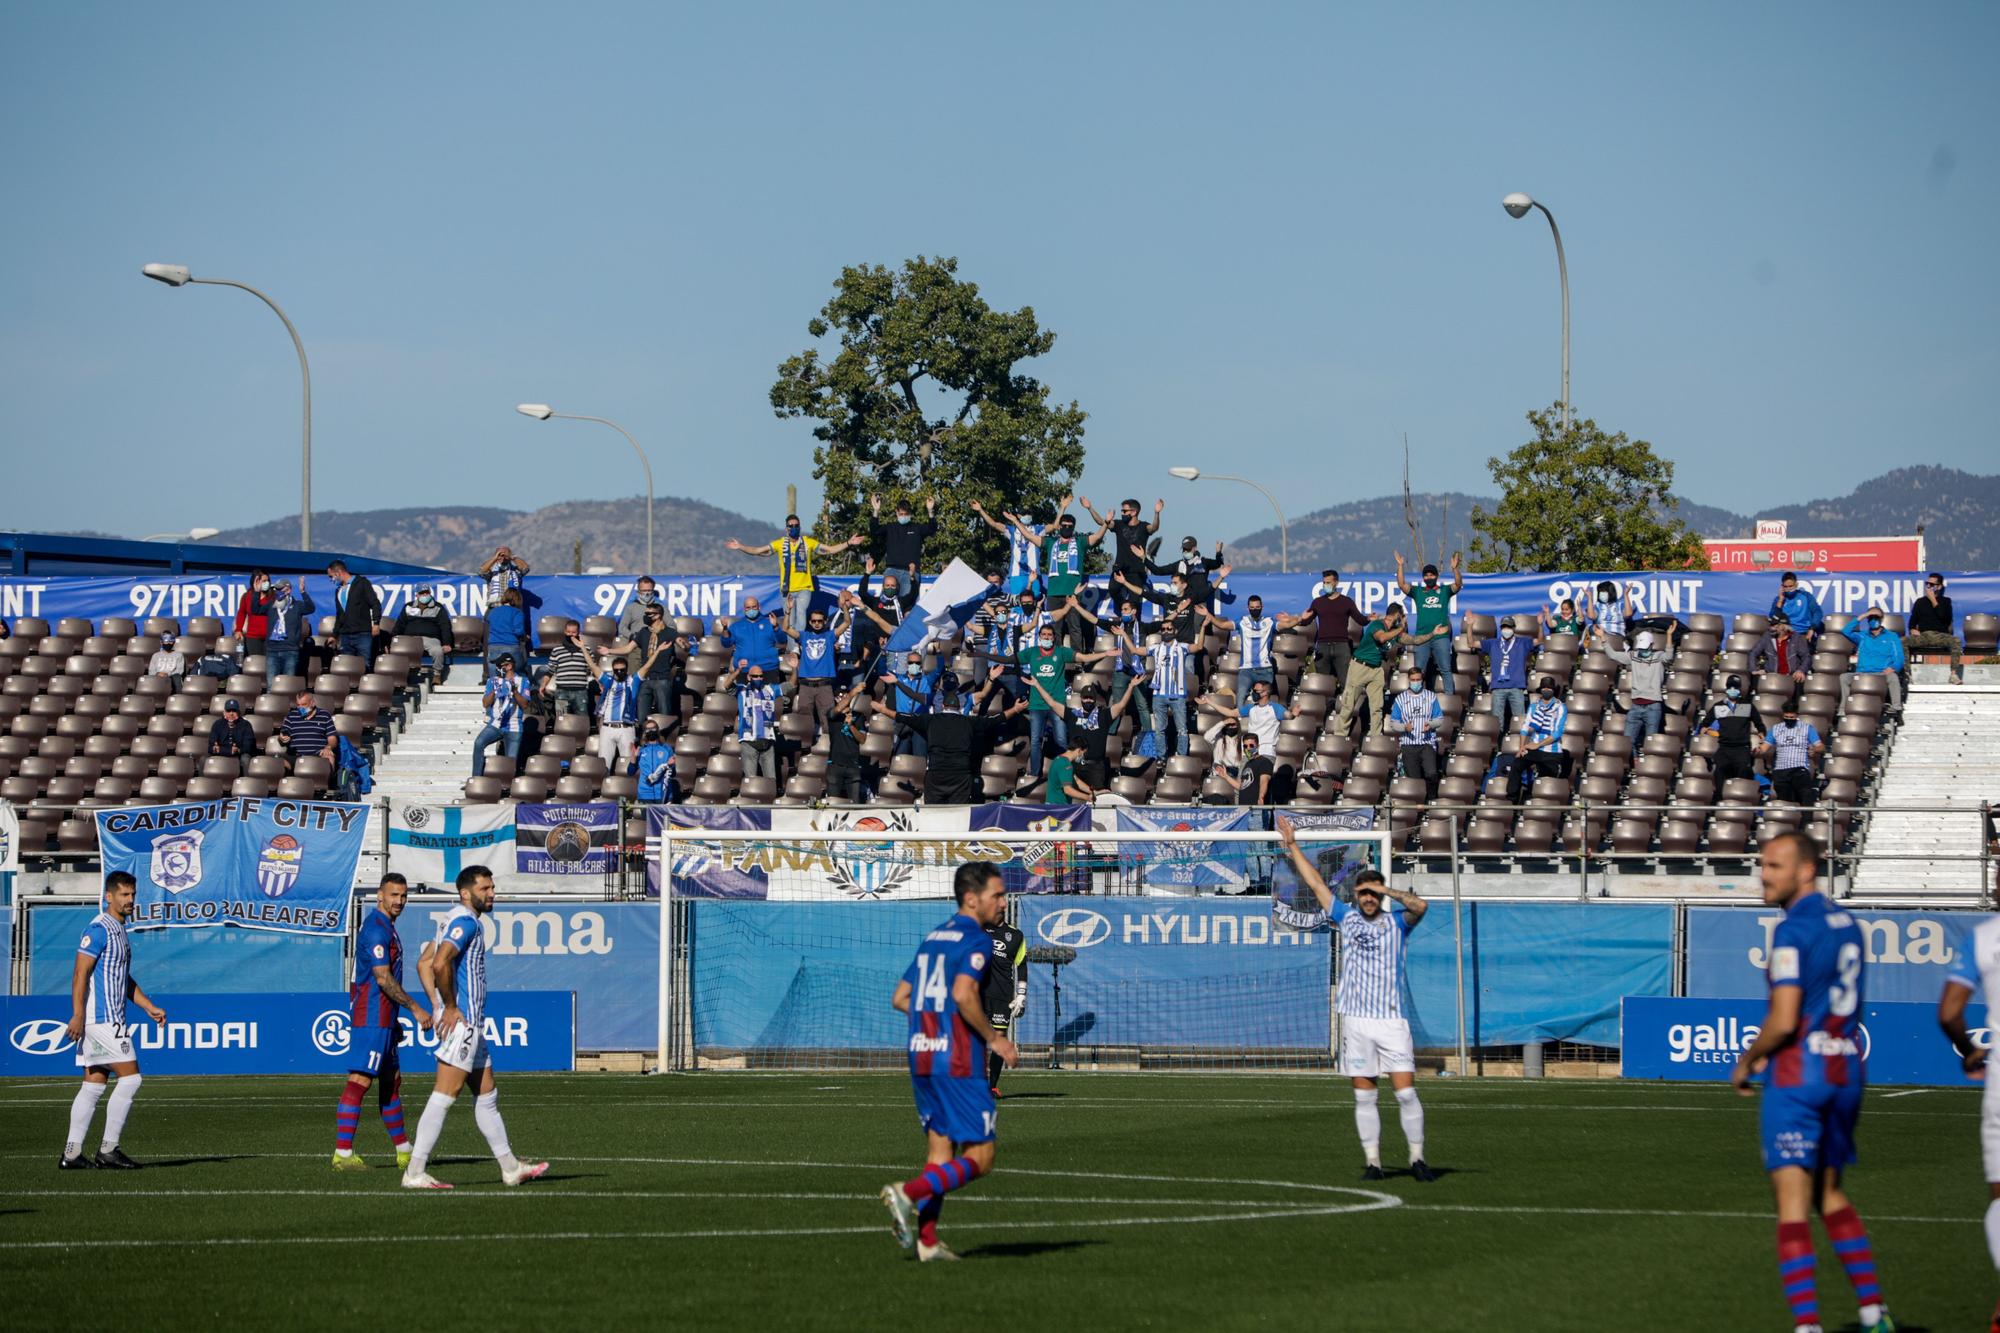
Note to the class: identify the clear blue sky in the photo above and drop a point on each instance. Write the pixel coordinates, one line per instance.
(1269, 238)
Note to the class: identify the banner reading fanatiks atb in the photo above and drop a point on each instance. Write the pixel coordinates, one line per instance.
(247, 861)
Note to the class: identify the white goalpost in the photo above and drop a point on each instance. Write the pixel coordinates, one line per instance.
(1176, 948)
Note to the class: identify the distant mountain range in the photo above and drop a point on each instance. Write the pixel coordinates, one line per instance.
(1960, 513)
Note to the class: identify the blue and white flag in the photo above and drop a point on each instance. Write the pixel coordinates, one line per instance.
(430, 844)
(239, 861)
(1040, 867)
(946, 606)
(1181, 866)
(566, 839)
(707, 870)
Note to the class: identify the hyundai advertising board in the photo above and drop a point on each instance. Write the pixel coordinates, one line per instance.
(279, 1034)
(1695, 1040)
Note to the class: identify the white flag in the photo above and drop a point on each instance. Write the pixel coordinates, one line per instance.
(430, 844)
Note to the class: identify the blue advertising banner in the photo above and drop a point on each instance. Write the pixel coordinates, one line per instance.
(1185, 866)
(1908, 955)
(608, 954)
(1201, 972)
(565, 839)
(249, 861)
(1699, 1040)
(1656, 592)
(196, 961)
(286, 1033)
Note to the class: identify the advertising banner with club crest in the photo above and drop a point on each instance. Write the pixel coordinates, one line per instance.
(256, 862)
(566, 839)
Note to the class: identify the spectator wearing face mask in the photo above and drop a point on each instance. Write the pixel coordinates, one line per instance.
(912, 692)
(1798, 605)
(1065, 786)
(505, 701)
(1091, 722)
(1045, 665)
(1002, 628)
(655, 767)
(571, 669)
(959, 734)
(1609, 614)
(1931, 627)
(1253, 635)
(819, 667)
(423, 617)
(1380, 639)
(1431, 632)
(357, 612)
(231, 735)
(288, 629)
(1024, 548)
(1783, 653)
(1171, 665)
(756, 718)
(1126, 536)
(845, 765)
(1648, 714)
(1261, 713)
(169, 661)
(753, 638)
(1877, 652)
(1791, 749)
(1335, 621)
(617, 713)
(1414, 719)
(1256, 774)
(1734, 723)
(877, 618)
(798, 564)
(253, 613)
(1564, 619)
(645, 597)
(502, 571)
(1063, 556)
(901, 541)
(659, 673)
(1184, 620)
(1507, 665)
(1539, 746)
(1197, 569)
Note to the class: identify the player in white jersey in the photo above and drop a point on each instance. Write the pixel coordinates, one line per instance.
(1374, 1032)
(1978, 971)
(458, 970)
(424, 956)
(100, 987)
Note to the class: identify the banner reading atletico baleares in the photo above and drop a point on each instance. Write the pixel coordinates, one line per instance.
(789, 868)
(239, 861)
(565, 839)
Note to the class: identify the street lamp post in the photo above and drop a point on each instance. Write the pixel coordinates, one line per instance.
(177, 275)
(543, 412)
(1284, 531)
(1517, 206)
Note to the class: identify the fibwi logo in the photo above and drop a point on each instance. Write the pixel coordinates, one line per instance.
(177, 860)
(278, 865)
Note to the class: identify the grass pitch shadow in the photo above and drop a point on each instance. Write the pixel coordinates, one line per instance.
(171, 1162)
(1025, 1249)
(1006, 1097)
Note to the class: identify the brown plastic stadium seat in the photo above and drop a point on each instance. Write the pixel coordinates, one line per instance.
(533, 790)
(573, 789)
(484, 790)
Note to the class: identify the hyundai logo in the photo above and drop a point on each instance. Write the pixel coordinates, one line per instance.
(41, 1036)
(331, 1032)
(1078, 927)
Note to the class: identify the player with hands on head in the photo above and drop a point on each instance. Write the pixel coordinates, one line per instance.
(950, 1036)
(374, 1034)
(1810, 1053)
(101, 985)
(1374, 1030)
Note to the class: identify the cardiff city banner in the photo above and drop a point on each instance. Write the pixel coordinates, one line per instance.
(239, 861)
(1182, 867)
(565, 839)
(279, 1033)
(1908, 953)
(430, 844)
(1691, 1039)
(793, 869)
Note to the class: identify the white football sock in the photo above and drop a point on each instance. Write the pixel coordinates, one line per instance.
(118, 1108)
(486, 1110)
(1993, 1231)
(1412, 1112)
(1368, 1124)
(85, 1106)
(428, 1128)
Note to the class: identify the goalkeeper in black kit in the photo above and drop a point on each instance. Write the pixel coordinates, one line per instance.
(1004, 992)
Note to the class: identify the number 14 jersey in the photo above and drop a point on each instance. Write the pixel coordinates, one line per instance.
(1818, 948)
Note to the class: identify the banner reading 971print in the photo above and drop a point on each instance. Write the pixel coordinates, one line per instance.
(249, 861)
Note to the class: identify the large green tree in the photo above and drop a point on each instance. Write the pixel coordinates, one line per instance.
(925, 398)
(1581, 499)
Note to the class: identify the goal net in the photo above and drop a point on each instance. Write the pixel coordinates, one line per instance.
(1160, 949)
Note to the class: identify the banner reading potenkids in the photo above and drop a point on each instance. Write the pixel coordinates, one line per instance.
(240, 861)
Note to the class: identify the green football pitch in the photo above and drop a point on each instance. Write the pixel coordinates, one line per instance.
(725, 1201)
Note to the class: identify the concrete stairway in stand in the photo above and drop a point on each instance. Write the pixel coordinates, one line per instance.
(1946, 760)
(431, 759)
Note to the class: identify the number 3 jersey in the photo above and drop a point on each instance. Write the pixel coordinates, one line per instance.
(941, 1045)
(1818, 948)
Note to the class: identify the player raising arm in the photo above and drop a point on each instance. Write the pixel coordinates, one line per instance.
(1810, 1053)
(1978, 969)
(949, 1038)
(373, 1032)
(1374, 1033)
(99, 987)
(458, 966)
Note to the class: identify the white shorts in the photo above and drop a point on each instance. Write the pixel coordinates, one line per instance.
(1989, 1127)
(1372, 1047)
(105, 1044)
(464, 1047)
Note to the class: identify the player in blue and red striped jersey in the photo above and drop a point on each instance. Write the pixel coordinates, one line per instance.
(373, 1032)
(949, 1038)
(1809, 1051)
